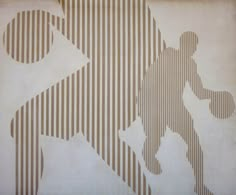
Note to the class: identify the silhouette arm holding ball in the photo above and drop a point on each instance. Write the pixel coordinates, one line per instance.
(221, 105)
(196, 85)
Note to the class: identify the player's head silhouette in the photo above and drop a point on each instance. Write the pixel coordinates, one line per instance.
(188, 43)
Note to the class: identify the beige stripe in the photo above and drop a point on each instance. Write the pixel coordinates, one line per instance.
(37, 142)
(129, 166)
(98, 76)
(73, 21)
(73, 105)
(134, 172)
(108, 79)
(8, 38)
(105, 89)
(149, 37)
(47, 112)
(47, 33)
(18, 38)
(52, 111)
(159, 42)
(17, 152)
(42, 34)
(113, 86)
(12, 128)
(124, 64)
(57, 109)
(139, 45)
(32, 149)
(62, 108)
(13, 39)
(134, 61)
(124, 161)
(139, 180)
(129, 65)
(144, 36)
(27, 35)
(42, 163)
(63, 20)
(83, 24)
(23, 37)
(4, 38)
(38, 14)
(103, 78)
(33, 37)
(67, 10)
(88, 71)
(154, 41)
(27, 148)
(118, 84)
(67, 106)
(78, 23)
(93, 74)
(82, 98)
(77, 101)
(144, 185)
(22, 150)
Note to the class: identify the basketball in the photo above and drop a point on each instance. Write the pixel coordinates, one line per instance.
(222, 104)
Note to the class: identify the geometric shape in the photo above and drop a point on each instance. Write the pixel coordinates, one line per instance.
(27, 38)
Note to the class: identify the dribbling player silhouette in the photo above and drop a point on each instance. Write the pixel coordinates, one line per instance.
(160, 104)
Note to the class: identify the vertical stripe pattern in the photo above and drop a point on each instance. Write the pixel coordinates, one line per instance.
(28, 38)
(98, 99)
(122, 40)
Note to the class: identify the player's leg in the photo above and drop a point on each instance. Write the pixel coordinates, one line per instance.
(183, 125)
(150, 149)
(154, 130)
(152, 112)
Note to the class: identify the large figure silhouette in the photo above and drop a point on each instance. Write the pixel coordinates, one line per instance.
(160, 104)
(121, 39)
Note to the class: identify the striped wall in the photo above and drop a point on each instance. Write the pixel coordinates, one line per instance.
(121, 39)
(160, 104)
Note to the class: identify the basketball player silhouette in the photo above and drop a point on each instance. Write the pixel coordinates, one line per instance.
(160, 104)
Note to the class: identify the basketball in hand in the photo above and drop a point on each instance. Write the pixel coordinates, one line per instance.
(222, 104)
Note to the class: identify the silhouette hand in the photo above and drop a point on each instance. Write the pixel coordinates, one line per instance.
(222, 104)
